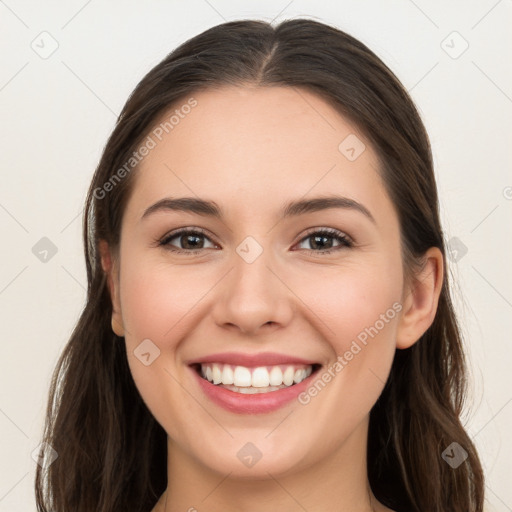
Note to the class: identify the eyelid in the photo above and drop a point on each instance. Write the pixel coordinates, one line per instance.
(345, 240)
(163, 241)
(332, 232)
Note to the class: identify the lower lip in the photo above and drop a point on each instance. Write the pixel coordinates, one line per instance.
(251, 404)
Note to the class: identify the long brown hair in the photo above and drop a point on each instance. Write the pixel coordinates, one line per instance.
(111, 451)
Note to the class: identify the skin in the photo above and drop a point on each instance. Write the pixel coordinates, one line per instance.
(250, 150)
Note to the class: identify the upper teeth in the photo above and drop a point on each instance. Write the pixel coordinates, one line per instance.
(258, 377)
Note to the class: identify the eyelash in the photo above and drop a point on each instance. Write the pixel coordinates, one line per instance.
(344, 240)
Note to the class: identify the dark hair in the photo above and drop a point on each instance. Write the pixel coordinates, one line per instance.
(111, 451)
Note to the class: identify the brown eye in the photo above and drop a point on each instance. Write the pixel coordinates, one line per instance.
(322, 241)
(188, 240)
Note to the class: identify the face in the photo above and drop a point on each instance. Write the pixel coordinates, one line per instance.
(318, 289)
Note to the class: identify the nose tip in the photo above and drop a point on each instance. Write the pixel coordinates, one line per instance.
(253, 298)
(248, 329)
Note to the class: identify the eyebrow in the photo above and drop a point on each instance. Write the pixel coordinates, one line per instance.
(291, 209)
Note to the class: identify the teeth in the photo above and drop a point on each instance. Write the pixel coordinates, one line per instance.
(255, 380)
(288, 376)
(299, 375)
(254, 391)
(216, 374)
(260, 378)
(276, 376)
(242, 376)
(227, 375)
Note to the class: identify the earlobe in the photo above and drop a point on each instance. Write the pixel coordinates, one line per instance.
(421, 299)
(116, 327)
(110, 269)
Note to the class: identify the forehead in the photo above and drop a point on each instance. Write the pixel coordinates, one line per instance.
(250, 147)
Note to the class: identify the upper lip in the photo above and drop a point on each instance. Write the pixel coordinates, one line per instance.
(251, 360)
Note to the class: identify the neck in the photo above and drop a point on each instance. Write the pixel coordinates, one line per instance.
(336, 483)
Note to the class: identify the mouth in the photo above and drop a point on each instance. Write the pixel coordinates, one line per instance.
(251, 380)
(252, 383)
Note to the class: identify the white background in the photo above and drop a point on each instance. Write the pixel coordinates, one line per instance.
(56, 114)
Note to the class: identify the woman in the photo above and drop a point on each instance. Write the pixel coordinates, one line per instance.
(268, 321)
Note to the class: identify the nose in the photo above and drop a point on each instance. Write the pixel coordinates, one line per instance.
(253, 296)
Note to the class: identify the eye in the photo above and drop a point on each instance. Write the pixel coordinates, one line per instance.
(323, 239)
(191, 240)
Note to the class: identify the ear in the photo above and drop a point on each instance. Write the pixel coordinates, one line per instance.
(420, 300)
(110, 267)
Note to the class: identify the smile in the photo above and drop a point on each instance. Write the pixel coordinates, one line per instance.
(252, 383)
(253, 380)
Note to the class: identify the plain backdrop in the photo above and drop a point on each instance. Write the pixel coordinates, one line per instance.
(66, 70)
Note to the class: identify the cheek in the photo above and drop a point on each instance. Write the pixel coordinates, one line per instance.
(351, 303)
(357, 311)
(155, 298)
(345, 305)
(156, 302)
